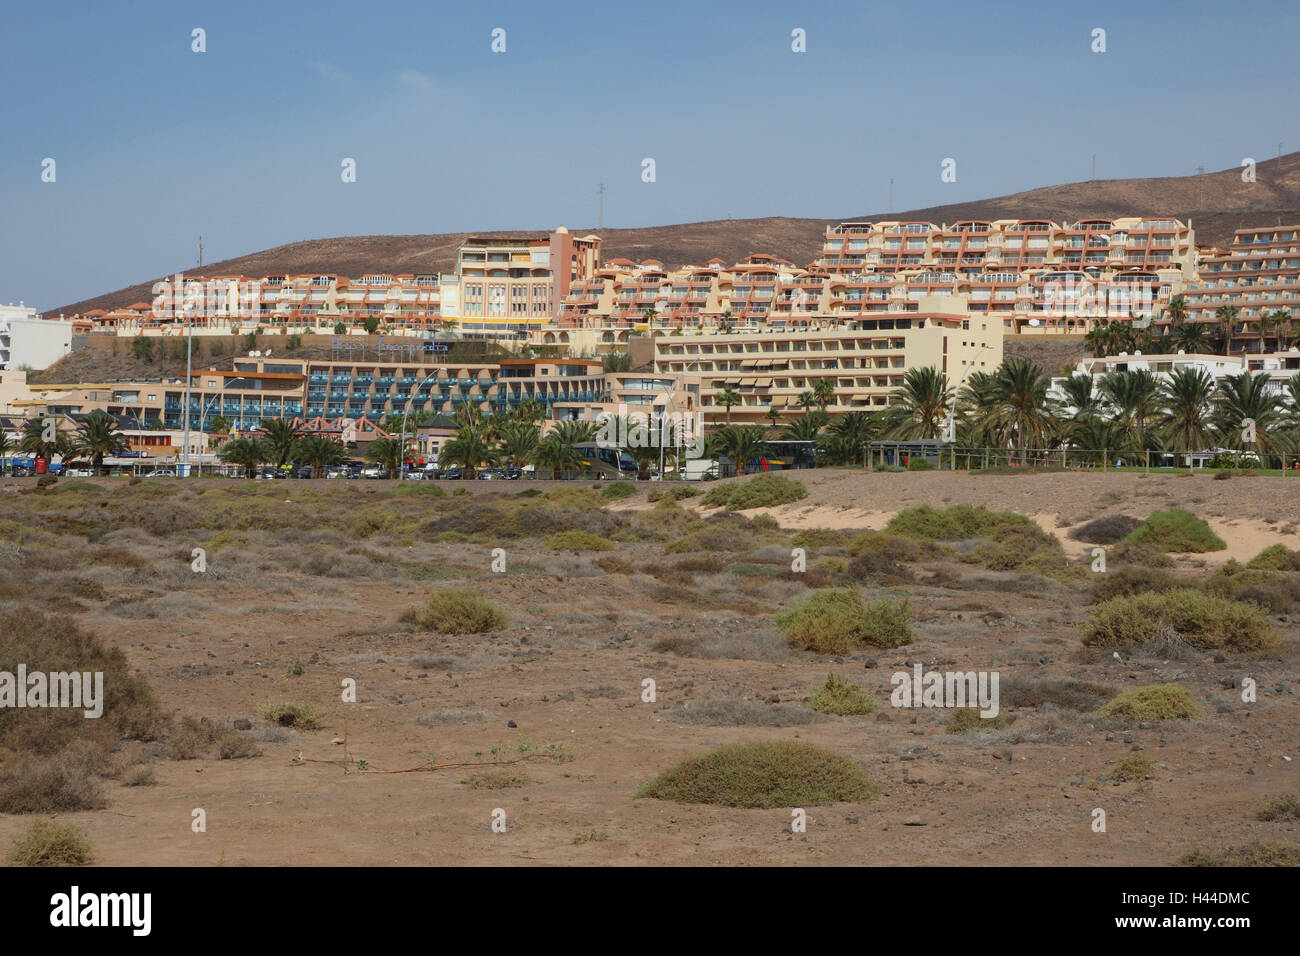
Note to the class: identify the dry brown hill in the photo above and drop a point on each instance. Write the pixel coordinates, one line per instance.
(1217, 203)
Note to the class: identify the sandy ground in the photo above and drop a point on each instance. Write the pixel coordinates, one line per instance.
(569, 670)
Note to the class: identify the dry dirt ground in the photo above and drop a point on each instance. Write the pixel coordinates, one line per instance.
(568, 669)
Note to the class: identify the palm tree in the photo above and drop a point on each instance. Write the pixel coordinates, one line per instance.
(7, 445)
(773, 414)
(824, 392)
(321, 452)
(1185, 412)
(556, 454)
(741, 444)
(727, 398)
(576, 432)
(1244, 398)
(1098, 338)
(280, 435)
(246, 452)
(468, 414)
(806, 400)
(1077, 401)
(1019, 411)
(33, 441)
(1132, 398)
(518, 439)
(807, 428)
(388, 453)
(1226, 316)
(975, 402)
(849, 436)
(1177, 311)
(726, 321)
(1192, 337)
(920, 406)
(1281, 319)
(470, 448)
(531, 410)
(98, 436)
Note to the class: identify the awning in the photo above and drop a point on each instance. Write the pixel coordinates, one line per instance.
(764, 383)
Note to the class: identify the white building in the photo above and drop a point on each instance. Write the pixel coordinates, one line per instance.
(29, 342)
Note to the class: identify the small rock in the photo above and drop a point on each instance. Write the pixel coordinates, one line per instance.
(337, 740)
(243, 723)
(511, 723)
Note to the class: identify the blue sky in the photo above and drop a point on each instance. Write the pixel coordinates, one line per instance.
(155, 144)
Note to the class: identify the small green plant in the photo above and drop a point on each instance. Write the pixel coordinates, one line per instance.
(299, 716)
(363, 765)
(836, 621)
(1156, 702)
(841, 697)
(1177, 531)
(1276, 557)
(1250, 854)
(763, 775)
(920, 464)
(966, 719)
(1285, 807)
(951, 524)
(457, 611)
(575, 540)
(761, 491)
(295, 670)
(1202, 620)
(1133, 769)
(47, 843)
(590, 836)
(618, 489)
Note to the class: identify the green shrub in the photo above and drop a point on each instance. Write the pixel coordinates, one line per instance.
(301, 716)
(1285, 807)
(577, 541)
(672, 492)
(965, 719)
(1177, 531)
(1019, 547)
(1110, 529)
(1202, 620)
(1250, 854)
(457, 611)
(1133, 769)
(1276, 557)
(920, 464)
(761, 491)
(836, 621)
(1130, 579)
(892, 547)
(618, 489)
(763, 775)
(47, 843)
(951, 524)
(841, 697)
(1156, 702)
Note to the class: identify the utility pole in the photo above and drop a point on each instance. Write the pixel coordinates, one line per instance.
(891, 194)
(602, 206)
(200, 252)
(189, 376)
(1094, 167)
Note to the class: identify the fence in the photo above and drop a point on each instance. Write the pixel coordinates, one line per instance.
(977, 458)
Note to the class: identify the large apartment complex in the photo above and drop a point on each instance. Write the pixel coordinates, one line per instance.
(1258, 276)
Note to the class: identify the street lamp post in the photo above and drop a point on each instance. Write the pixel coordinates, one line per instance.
(951, 436)
(401, 439)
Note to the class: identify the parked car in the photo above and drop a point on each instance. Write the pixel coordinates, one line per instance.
(513, 474)
(307, 471)
(374, 471)
(338, 471)
(160, 473)
(490, 474)
(454, 473)
(415, 474)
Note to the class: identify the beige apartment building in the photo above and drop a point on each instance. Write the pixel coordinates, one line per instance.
(1259, 276)
(865, 360)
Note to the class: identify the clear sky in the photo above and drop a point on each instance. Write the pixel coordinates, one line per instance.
(155, 144)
